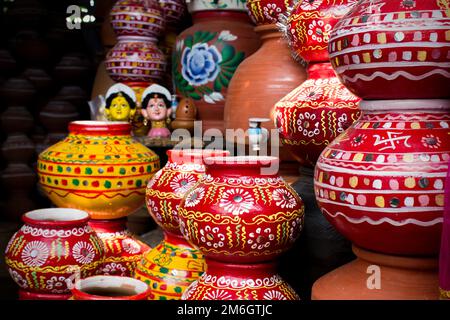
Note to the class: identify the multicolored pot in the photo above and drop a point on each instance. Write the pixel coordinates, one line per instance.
(226, 281)
(174, 264)
(309, 24)
(267, 11)
(394, 49)
(110, 288)
(240, 215)
(97, 164)
(381, 183)
(52, 246)
(205, 59)
(315, 113)
(137, 18)
(174, 11)
(122, 249)
(236, 213)
(136, 59)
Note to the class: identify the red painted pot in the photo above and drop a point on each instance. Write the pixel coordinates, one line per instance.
(267, 11)
(315, 113)
(241, 211)
(381, 183)
(394, 49)
(110, 288)
(122, 249)
(226, 281)
(309, 25)
(52, 246)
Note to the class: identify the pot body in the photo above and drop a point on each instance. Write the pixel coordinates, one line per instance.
(381, 183)
(393, 49)
(44, 255)
(267, 11)
(97, 164)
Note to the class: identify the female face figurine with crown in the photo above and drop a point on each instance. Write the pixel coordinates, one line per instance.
(156, 103)
(120, 103)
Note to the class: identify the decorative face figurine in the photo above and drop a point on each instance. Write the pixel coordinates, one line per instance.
(120, 103)
(156, 103)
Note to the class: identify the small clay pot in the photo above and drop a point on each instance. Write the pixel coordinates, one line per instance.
(17, 91)
(16, 119)
(185, 115)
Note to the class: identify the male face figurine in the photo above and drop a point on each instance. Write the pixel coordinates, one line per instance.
(120, 109)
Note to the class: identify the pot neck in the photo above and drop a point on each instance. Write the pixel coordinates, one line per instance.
(176, 240)
(213, 15)
(264, 167)
(268, 32)
(193, 156)
(137, 39)
(100, 128)
(109, 226)
(248, 270)
(406, 105)
(320, 70)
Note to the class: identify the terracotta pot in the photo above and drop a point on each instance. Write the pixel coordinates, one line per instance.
(174, 264)
(135, 59)
(381, 182)
(226, 281)
(72, 69)
(16, 119)
(97, 163)
(137, 18)
(232, 198)
(122, 249)
(393, 50)
(51, 246)
(185, 115)
(110, 288)
(222, 39)
(17, 91)
(375, 276)
(40, 79)
(259, 74)
(315, 113)
(267, 11)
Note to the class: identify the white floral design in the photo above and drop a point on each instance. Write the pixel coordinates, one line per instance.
(346, 95)
(114, 269)
(283, 198)
(237, 201)
(218, 295)
(153, 209)
(305, 125)
(213, 97)
(311, 94)
(310, 4)
(181, 183)
(342, 123)
(274, 295)
(35, 253)
(194, 197)
(226, 35)
(57, 284)
(23, 283)
(271, 12)
(431, 141)
(83, 252)
(130, 246)
(154, 179)
(260, 239)
(294, 230)
(211, 237)
(319, 31)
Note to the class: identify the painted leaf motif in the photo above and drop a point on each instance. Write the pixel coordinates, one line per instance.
(188, 41)
(195, 95)
(228, 53)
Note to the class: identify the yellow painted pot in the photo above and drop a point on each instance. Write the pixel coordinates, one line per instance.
(98, 168)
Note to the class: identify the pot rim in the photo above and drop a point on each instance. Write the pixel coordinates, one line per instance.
(182, 156)
(56, 217)
(242, 161)
(102, 128)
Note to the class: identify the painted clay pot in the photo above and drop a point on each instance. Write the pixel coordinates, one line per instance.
(174, 11)
(135, 59)
(52, 246)
(227, 281)
(393, 49)
(267, 11)
(315, 113)
(205, 59)
(174, 264)
(381, 182)
(240, 212)
(122, 249)
(110, 288)
(137, 18)
(309, 24)
(97, 163)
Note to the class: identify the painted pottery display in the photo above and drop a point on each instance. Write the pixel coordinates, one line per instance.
(259, 82)
(240, 215)
(137, 18)
(97, 164)
(52, 246)
(393, 49)
(267, 11)
(174, 264)
(381, 183)
(315, 113)
(135, 59)
(206, 57)
(122, 249)
(444, 256)
(377, 276)
(110, 288)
